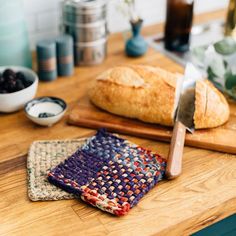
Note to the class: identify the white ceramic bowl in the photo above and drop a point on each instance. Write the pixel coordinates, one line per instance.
(45, 110)
(10, 102)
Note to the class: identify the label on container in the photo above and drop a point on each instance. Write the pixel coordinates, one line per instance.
(47, 65)
(65, 60)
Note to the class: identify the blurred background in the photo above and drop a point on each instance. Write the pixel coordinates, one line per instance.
(43, 17)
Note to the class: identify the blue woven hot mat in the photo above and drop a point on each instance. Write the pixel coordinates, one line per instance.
(109, 172)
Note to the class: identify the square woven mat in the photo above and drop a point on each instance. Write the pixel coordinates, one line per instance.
(43, 156)
(109, 172)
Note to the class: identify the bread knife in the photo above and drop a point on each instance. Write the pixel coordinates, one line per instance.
(185, 98)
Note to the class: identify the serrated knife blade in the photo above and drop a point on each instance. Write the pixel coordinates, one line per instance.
(186, 103)
(183, 119)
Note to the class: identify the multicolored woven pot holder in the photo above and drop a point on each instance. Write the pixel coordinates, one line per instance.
(109, 172)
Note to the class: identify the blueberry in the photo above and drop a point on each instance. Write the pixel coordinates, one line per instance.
(8, 72)
(2, 80)
(19, 85)
(27, 82)
(10, 78)
(3, 91)
(20, 76)
(10, 85)
(45, 115)
(12, 82)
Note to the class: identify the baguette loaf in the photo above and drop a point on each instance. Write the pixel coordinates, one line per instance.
(149, 94)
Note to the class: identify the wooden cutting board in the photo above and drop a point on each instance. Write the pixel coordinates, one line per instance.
(221, 139)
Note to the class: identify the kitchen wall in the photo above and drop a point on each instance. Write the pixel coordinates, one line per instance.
(43, 16)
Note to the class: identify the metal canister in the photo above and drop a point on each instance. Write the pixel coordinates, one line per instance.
(85, 21)
(90, 53)
(84, 11)
(86, 32)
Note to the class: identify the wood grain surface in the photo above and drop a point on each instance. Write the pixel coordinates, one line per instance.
(222, 139)
(203, 194)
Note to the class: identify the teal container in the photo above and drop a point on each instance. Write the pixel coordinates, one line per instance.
(14, 41)
(136, 46)
(65, 55)
(46, 58)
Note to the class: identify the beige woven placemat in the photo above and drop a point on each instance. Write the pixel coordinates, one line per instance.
(43, 156)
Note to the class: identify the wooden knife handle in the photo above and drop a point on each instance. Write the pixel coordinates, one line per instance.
(174, 161)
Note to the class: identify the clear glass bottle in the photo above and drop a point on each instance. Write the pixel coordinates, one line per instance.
(178, 25)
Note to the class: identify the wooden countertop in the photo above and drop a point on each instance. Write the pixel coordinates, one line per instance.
(204, 194)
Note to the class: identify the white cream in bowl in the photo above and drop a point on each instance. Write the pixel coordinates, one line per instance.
(45, 110)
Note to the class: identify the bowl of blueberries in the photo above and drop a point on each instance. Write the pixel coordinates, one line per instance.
(18, 85)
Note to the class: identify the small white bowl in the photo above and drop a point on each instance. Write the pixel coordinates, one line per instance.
(10, 102)
(45, 111)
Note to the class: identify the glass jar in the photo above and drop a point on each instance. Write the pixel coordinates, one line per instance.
(178, 25)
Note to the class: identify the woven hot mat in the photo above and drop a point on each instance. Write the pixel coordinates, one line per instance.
(43, 156)
(109, 172)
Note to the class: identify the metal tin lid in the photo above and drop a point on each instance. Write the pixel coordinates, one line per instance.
(83, 6)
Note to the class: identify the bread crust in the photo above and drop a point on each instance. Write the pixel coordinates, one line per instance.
(211, 107)
(148, 94)
(149, 100)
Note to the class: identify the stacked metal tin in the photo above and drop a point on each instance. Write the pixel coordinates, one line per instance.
(86, 21)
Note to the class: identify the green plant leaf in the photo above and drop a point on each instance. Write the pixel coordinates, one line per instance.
(213, 78)
(230, 80)
(217, 66)
(226, 46)
(211, 74)
(199, 53)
